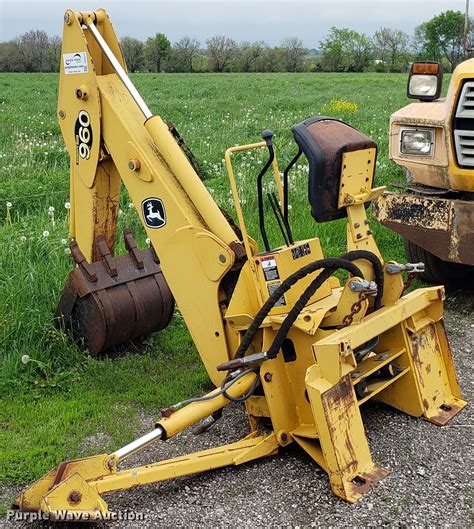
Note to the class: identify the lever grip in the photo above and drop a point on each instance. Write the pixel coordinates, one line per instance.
(267, 135)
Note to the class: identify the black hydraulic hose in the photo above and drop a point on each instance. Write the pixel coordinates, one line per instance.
(377, 268)
(245, 396)
(296, 310)
(284, 287)
(315, 285)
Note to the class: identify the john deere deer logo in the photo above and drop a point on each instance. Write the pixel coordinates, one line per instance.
(153, 212)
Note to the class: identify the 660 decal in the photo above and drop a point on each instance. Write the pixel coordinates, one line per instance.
(83, 135)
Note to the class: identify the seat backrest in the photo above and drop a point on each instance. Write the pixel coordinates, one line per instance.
(323, 141)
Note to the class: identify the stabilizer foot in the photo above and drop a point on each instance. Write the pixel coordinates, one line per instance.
(37, 496)
(75, 500)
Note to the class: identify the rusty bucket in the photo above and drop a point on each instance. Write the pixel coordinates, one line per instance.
(116, 299)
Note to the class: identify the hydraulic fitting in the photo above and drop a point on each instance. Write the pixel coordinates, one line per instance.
(369, 287)
(396, 268)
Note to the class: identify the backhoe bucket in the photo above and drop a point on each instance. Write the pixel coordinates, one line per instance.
(116, 299)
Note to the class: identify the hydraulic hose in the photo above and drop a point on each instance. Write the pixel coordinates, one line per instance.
(284, 287)
(377, 268)
(296, 310)
(315, 285)
(225, 386)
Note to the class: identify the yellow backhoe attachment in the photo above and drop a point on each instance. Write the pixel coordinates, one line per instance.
(275, 328)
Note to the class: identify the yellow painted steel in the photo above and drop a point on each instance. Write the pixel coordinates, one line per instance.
(312, 391)
(196, 411)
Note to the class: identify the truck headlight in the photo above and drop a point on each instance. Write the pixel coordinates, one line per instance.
(417, 141)
(423, 85)
(425, 81)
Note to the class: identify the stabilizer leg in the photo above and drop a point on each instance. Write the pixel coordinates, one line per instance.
(75, 486)
(74, 489)
(347, 458)
(435, 392)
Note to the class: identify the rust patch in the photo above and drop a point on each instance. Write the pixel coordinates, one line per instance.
(443, 226)
(365, 481)
(463, 233)
(340, 399)
(446, 413)
(415, 353)
(116, 299)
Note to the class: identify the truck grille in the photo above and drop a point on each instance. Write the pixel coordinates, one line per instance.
(464, 141)
(464, 126)
(466, 101)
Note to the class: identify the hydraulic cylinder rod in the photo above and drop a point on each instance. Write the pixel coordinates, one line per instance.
(187, 416)
(172, 152)
(137, 445)
(119, 69)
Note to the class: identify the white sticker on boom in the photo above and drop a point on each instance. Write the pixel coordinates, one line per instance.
(75, 62)
(269, 268)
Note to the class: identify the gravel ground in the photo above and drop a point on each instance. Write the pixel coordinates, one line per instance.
(430, 482)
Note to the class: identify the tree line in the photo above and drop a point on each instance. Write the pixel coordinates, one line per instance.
(342, 50)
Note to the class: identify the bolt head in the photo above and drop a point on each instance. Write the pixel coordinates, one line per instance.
(74, 497)
(222, 258)
(268, 377)
(134, 164)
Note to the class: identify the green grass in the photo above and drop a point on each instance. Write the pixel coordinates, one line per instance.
(51, 404)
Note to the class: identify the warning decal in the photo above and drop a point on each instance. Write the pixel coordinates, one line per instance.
(75, 62)
(270, 269)
(271, 288)
(301, 251)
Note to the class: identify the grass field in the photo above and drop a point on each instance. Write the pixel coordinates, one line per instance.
(60, 398)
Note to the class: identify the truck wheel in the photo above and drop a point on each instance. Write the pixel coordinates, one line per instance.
(436, 270)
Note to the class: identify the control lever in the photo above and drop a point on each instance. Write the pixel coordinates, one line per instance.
(267, 135)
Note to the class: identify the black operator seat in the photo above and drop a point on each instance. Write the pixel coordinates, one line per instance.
(323, 141)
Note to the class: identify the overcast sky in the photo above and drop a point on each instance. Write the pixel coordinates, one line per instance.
(269, 20)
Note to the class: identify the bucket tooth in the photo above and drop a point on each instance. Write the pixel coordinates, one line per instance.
(80, 260)
(131, 247)
(106, 256)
